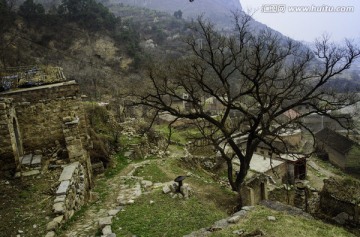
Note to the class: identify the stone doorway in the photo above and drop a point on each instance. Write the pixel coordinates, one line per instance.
(18, 143)
(263, 191)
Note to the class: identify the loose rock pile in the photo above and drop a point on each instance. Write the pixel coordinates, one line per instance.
(172, 189)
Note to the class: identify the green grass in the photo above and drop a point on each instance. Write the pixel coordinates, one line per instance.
(119, 162)
(72, 220)
(126, 141)
(153, 173)
(165, 217)
(285, 225)
(328, 166)
(181, 136)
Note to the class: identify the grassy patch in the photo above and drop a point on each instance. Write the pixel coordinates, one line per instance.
(177, 135)
(119, 162)
(127, 141)
(330, 167)
(73, 219)
(166, 216)
(153, 173)
(285, 225)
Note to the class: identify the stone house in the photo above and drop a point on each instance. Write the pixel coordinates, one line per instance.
(180, 102)
(262, 171)
(294, 163)
(254, 190)
(36, 119)
(43, 125)
(213, 105)
(316, 122)
(339, 150)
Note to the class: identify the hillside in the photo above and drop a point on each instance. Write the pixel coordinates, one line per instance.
(100, 56)
(216, 10)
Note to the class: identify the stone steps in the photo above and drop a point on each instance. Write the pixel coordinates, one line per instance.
(31, 163)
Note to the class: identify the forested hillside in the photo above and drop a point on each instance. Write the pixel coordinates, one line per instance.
(100, 50)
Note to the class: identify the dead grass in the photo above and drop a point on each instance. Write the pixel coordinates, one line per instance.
(26, 204)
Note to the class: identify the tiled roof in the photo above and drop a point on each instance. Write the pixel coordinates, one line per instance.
(334, 140)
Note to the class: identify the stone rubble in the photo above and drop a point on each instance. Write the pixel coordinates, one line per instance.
(171, 188)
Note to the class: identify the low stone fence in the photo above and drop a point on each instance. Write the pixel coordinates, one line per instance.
(340, 200)
(70, 195)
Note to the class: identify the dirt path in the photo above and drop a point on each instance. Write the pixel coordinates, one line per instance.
(316, 174)
(86, 225)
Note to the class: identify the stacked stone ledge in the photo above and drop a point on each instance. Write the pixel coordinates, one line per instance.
(70, 195)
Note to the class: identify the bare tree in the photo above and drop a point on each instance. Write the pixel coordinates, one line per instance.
(256, 76)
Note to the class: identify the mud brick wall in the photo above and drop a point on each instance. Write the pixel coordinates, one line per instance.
(40, 112)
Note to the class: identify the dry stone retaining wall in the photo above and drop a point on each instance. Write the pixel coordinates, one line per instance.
(71, 194)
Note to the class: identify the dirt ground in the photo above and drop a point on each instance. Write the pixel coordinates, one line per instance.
(26, 204)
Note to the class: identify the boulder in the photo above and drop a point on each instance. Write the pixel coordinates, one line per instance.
(52, 225)
(166, 189)
(341, 218)
(234, 219)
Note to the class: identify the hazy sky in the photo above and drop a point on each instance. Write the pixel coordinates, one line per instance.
(308, 26)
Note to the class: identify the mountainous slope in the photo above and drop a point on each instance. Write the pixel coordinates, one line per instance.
(216, 10)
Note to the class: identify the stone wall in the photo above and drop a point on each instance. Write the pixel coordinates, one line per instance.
(71, 195)
(279, 173)
(340, 199)
(10, 136)
(74, 141)
(40, 112)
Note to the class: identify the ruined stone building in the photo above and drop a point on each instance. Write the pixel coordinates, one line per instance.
(37, 118)
(43, 125)
(339, 199)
